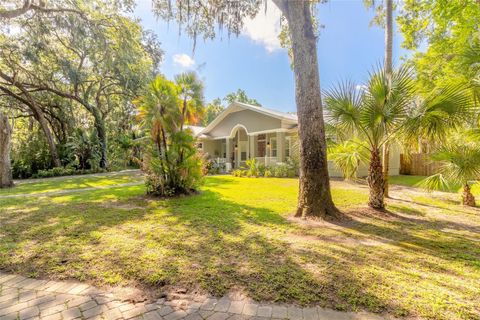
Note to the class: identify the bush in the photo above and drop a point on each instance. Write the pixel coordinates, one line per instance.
(267, 173)
(280, 171)
(252, 167)
(261, 169)
(213, 167)
(60, 171)
(237, 173)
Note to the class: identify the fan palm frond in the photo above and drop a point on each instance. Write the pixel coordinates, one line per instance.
(343, 106)
(348, 155)
(443, 110)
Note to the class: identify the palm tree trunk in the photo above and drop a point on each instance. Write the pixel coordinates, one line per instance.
(375, 181)
(386, 169)
(467, 197)
(314, 199)
(388, 70)
(6, 179)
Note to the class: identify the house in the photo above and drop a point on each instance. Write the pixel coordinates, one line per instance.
(243, 131)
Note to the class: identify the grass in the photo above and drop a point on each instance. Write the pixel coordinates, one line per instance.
(419, 259)
(36, 186)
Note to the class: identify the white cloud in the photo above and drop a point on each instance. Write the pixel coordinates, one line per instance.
(183, 60)
(265, 27)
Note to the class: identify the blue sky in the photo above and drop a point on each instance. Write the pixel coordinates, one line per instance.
(347, 49)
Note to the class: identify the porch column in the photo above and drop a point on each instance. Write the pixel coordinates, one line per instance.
(280, 146)
(228, 153)
(237, 152)
(251, 148)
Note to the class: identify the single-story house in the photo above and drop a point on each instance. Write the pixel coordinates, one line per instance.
(243, 131)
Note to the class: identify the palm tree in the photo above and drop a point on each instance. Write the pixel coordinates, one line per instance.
(460, 161)
(387, 111)
(384, 18)
(191, 94)
(171, 161)
(388, 69)
(374, 114)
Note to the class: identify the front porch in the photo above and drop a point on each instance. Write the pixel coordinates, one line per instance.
(268, 148)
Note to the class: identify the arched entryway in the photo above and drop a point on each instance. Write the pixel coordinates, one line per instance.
(239, 151)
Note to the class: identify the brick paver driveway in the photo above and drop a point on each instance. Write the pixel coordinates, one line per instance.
(26, 298)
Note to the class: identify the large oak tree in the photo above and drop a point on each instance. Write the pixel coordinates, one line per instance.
(97, 60)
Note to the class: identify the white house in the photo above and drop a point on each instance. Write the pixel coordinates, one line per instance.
(243, 131)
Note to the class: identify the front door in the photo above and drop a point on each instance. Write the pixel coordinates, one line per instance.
(242, 152)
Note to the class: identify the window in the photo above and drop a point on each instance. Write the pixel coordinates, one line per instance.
(261, 145)
(288, 141)
(273, 147)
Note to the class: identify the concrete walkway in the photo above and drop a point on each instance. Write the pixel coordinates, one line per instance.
(26, 298)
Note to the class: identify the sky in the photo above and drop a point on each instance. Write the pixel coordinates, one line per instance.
(348, 48)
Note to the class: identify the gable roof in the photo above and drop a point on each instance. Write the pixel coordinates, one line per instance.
(196, 130)
(236, 106)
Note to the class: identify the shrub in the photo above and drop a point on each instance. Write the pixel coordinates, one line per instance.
(280, 171)
(86, 148)
(252, 167)
(213, 167)
(60, 171)
(237, 173)
(267, 173)
(261, 169)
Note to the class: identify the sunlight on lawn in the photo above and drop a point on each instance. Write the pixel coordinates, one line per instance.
(33, 186)
(420, 258)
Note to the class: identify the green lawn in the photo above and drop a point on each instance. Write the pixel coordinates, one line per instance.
(421, 258)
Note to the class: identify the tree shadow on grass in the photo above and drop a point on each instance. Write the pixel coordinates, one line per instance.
(209, 243)
(204, 242)
(419, 235)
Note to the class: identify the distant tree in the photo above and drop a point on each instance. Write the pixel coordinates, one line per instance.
(212, 110)
(450, 31)
(240, 96)
(97, 61)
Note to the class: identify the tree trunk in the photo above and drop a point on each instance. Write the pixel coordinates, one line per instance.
(6, 179)
(99, 124)
(40, 117)
(388, 69)
(385, 166)
(388, 36)
(314, 199)
(467, 197)
(375, 181)
(37, 112)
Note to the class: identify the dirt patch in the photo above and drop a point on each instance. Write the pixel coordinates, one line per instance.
(122, 206)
